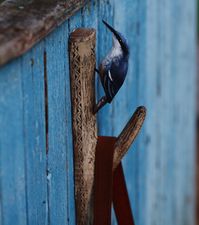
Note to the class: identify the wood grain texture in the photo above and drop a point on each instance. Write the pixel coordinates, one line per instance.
(32, 72)
(59, 158)
(33, 201)
(172, 163)
(12, 159)
(104, 42)
(129, 97)
(23, 23)
(82, 64)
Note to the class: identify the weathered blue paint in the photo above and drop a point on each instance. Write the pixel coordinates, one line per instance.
(38, 188)
(157, 78)
(170, 51)
(34, 135)
(12, 157)
(104, 43)
(128, 98)
(59, 125)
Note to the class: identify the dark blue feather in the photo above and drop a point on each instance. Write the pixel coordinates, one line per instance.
(118, 69)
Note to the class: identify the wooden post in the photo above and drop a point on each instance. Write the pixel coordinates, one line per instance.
(82, 64)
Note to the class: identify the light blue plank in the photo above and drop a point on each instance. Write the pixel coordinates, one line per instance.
(91, 19)
(69, 144)
(90, 15)
(59, 129)
(183, 64)
(75, 21)
(12, 161)
(161, 80)
(1, 210)
(34, 135)
(69, 147)
(127, 101)
(170, 95)
(142, 139)
(130, 97)
(161, 57)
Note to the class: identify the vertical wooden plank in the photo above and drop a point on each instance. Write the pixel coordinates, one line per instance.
(12, 161)
(105, 11)
(69, 144)
(159, 172)
(89, 14)
(127, 100)
(72, 23)
(75, 21)
(183, 63)
(69, 147)
(142, 158)
(34, 134)
(1, 210)
(59, 135)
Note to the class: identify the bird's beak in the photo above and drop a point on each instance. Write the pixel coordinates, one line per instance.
(110, 28)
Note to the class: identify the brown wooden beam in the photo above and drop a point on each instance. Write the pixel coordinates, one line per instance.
(24, 23)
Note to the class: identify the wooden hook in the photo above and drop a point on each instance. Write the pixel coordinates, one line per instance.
(128, 135)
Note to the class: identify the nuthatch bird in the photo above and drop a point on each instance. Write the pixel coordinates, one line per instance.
(113, 68)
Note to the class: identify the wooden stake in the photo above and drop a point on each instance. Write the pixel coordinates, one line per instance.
(82, 64)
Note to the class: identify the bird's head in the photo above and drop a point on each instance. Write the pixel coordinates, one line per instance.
(119, 37)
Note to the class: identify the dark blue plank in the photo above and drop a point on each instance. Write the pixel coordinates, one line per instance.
(34, 134)
(12, 160)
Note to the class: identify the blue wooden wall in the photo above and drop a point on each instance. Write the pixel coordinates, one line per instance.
(35, 116)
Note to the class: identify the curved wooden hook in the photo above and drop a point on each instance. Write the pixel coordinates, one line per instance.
(128, 135)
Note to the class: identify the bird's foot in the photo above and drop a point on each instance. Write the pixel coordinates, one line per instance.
(96, 70)
(100, 104)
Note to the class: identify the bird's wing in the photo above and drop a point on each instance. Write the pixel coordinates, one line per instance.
(108, 82)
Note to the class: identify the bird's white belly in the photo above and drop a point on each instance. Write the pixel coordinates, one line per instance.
(115, 53)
